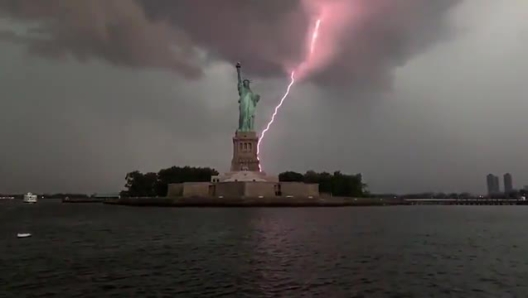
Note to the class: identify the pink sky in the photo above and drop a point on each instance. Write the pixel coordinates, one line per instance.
(336, 17)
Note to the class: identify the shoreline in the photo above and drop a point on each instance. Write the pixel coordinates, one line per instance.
(82, 200)
(254, 202)
(182, 202)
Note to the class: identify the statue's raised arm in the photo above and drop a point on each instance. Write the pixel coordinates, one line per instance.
(239, 76)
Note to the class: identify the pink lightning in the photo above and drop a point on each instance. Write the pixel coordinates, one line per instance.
(275, 113)
(315, 35)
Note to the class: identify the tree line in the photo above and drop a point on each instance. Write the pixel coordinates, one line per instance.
(153, 184)
(156, 184)
(336, 184)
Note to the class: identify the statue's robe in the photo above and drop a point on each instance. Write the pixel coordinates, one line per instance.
(247, 107)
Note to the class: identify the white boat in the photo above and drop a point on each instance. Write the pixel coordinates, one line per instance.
(23, 235)
(30, 198)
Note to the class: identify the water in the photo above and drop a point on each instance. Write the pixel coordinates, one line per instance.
(92, 250)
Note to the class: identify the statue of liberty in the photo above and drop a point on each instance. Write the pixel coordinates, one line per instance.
(247, 103)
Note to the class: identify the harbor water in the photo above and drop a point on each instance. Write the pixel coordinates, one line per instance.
(96, 250)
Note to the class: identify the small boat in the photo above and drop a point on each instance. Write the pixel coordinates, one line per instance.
(23, 235)
(30, 198)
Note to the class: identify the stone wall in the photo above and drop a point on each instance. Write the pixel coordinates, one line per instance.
(229, 189)
(256, 189)
(175, 190)
(299, 189)
(196, 189)
(242, 189)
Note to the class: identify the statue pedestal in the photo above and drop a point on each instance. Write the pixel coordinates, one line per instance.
(245, 152)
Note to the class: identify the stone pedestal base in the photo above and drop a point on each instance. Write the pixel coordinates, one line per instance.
(245, 152)
(244, 176)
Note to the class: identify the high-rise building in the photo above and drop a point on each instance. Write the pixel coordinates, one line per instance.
(492, 182)
(508, 183)
(489, 183)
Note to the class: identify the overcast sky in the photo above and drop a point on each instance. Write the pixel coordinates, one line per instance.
(418, 95)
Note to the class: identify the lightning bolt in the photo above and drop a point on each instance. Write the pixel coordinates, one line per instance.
(275, 114)
(313, 43)
(315, 36)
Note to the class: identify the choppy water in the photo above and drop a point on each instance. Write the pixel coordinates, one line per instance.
(91, 250)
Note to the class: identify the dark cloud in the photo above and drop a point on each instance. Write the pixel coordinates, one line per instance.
(265, 35)
(11, 37)
(117, 31)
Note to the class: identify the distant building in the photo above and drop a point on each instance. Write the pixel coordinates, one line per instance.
(489, 183)
(508, 183)
(492, 182)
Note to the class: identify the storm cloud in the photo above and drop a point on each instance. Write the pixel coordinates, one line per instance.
(117, 31)
(363, 39)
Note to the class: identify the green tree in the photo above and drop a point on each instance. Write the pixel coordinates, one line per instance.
(181, 175)
(325, 181)
(156, 184)
(337, 184)
(291, 177)
(140, 185)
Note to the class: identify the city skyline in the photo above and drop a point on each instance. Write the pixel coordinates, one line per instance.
(419, 98)
(493, 184)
